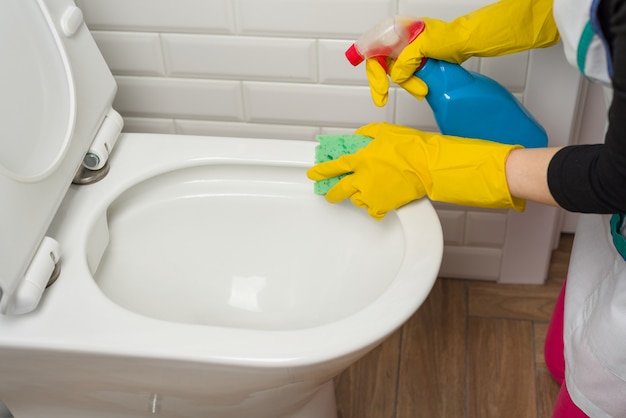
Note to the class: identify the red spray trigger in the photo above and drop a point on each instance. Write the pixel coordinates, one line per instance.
(415, 29)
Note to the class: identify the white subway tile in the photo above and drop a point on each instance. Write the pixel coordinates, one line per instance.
(131, 53)
(471, 263)
(414, 113)
(472, 64)
(440, 9)
(312, 104)
(149, 125)
(327, 130)
(453, 226)
(485, 229)
(214, 16)
(334, 67)
(185, 98)
(237, 57)
(345, 19)
(510, 70)
(248, 130)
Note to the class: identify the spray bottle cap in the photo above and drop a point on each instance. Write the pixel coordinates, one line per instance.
(354, 56)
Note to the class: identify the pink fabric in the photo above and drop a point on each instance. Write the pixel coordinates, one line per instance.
(565, 407)
(555, 361)
(554, 349)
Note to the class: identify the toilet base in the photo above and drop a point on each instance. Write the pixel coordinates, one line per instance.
(104, 386)
(322, 405)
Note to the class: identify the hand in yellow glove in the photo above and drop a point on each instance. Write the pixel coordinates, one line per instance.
(379, 82)
(501, 28)
(403, 164)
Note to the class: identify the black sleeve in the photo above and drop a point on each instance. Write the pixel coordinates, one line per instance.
(592, 178)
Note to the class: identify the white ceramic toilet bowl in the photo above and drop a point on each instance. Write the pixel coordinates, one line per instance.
(200, 278)
(203, 278)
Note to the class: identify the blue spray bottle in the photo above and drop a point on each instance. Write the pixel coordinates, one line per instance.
(464, 103)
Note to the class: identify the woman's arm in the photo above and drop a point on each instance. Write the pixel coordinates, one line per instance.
(526, 174)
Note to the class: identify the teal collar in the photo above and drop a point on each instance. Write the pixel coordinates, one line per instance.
(618, 239)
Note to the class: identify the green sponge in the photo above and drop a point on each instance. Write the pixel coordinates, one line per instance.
(332, 147)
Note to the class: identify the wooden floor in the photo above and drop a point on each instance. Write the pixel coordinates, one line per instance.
(474, 349)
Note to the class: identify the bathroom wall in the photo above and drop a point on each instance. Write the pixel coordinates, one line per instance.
(276, 69)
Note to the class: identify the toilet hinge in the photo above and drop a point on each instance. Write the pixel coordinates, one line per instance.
(95, 164)
(43, 269)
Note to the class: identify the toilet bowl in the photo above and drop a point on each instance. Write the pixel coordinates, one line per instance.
(200, 277)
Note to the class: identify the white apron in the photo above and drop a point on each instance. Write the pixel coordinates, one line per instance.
(595, 301)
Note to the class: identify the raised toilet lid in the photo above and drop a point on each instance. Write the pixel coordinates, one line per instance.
(46, 52)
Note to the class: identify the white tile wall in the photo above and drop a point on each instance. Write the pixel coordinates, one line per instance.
(276, 69)
(308, 104)
(194, 61)
(207, 16)
(131, 53)
(485, 229)
(179, 97)
(445, 10)
(328, 19)
(240, 57)
(509, 71)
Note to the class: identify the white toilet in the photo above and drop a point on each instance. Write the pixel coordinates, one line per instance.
(200, 277)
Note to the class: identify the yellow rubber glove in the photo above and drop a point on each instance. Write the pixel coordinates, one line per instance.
(403, 164)
(501, 28)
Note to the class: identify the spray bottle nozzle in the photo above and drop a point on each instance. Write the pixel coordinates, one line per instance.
(385, 40)
(354, 56)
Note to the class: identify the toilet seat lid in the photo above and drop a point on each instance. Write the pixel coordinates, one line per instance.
(38, 103)
(39, 146)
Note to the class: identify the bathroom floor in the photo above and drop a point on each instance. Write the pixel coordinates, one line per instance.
(474, 349)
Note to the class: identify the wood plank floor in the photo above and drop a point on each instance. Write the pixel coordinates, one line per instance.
(473, 349)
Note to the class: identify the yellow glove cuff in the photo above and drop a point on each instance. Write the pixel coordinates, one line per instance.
(452, 169)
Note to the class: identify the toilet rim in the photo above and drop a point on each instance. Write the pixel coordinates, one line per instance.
(93, 323)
